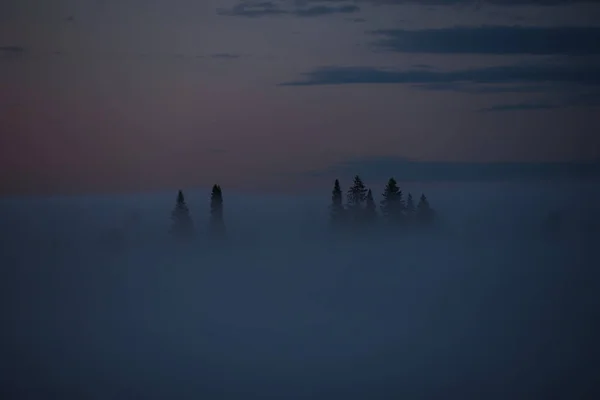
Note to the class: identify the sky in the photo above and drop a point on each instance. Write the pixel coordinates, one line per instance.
(128, 95)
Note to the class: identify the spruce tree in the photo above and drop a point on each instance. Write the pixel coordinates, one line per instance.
(217, 224)
(183, 226)
(357, 193)
(356, 196)
(410, 208)
(337, 207)
(370, 209)
(425, 213)
(392, 205)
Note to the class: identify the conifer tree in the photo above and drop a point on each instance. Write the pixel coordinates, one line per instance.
(425, 213)
(370, 208)
(410, 208)
(392, 205)
(183, 226)
(357, 193)
(356, 196)
(337, 207)
(217, 224)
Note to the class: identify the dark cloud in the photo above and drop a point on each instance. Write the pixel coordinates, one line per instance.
(510, 74)
(357, 20)
(482, 88)
(268, 8)
(406, 170)
(492, 40)
(324, 10)
(225, 56)
(520, 107)
(12, 49)
(591, 99)
(252, 9)
(477, 3)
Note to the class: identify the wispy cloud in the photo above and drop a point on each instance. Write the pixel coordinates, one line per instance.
(225, 56)
(590, 99)
(492, 40)
(509, 74)
(252, 9)
(406, 170)
(324, 10)
(477, 3)
(474, 88)
(12, 49)
(520, 107)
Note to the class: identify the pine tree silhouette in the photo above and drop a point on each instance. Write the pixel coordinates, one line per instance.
(336, 208)
(183, 226)
(392, 205)
(370, 209)
(356, 196)
(217, 224)
(410, 208)
(425, 213)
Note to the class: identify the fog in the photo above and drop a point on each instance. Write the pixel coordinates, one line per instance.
(99, 302)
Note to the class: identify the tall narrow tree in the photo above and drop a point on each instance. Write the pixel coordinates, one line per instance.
(356, 197)
(425, 213)
(370, 212)
(392, 205)
(410, 208)
(357, 193)
(337, 208)
(182, 224)
(216, 224)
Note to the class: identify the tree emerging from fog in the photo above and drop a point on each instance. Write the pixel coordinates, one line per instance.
(410, 210)
(392, 205)
(336, 208)
(360, 211)
(425, 214)
(357, 194)
(217, 223)
(355, 200)
(370, 212)
(182, 224)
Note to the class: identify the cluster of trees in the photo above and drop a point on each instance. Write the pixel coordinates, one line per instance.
(360, 209)
(182, 224)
